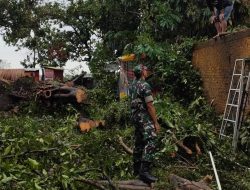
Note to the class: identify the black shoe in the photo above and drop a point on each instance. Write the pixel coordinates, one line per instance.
(145, 176)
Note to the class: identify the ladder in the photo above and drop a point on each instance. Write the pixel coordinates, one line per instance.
(236, 101)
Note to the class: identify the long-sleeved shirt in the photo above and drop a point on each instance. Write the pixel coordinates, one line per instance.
(218, 4)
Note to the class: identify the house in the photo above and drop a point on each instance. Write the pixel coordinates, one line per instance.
(53, 73)
(34, 73)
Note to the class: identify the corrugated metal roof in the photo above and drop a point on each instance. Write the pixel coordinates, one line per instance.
(11, 74)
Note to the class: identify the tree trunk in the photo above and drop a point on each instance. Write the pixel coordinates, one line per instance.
(71, 93)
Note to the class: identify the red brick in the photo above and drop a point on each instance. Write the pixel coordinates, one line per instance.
(215, 61)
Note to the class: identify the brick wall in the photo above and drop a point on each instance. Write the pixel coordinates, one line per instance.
(215, 61)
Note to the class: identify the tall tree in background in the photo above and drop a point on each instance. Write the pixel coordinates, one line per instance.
(97, 31)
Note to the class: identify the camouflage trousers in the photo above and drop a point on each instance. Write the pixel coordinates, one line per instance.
(145, 141)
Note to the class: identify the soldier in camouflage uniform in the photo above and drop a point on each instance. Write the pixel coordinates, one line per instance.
(146, 125)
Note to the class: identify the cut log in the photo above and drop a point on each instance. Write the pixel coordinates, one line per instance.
(50, 94)
(47, 93)
(85, 124)
(180, 183)
(78, 94)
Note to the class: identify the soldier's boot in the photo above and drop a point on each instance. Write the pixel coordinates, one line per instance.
(137, 167)
(145, 175)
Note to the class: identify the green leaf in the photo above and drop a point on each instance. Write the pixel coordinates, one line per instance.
(33, 163)
(44, 172)
(37, 186)
(7, 150)
(6, 179)
(65, 176)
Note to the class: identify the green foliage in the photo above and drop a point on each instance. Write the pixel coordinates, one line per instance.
(48, 153)
(173, 72)
(39, 152)
(177, 72)
(117, 114)
(185, 122)
(106, 81)
(245, 137)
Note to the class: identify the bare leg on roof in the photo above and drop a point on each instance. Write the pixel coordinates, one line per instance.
(223, 26)
(218, 27)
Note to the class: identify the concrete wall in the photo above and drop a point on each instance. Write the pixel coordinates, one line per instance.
(215, 61)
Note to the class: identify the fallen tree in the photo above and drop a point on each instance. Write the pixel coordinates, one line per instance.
(47, 93)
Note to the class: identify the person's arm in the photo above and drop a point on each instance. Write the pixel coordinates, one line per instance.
(148, 98)
(152, 113)
(212, 10)
(221, 5)
(147, 93)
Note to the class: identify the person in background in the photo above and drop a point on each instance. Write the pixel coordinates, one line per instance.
(144, 118)
(221, 11)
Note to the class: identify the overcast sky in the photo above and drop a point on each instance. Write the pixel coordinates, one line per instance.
(9, 55)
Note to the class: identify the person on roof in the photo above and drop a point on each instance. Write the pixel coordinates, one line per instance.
(221, 11)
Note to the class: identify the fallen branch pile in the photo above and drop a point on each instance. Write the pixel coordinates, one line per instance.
(25, 89)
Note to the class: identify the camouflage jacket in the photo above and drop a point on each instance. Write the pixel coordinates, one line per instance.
(140, 95)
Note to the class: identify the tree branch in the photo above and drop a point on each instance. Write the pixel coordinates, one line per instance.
(91, 182)
(125, 147)
(30, 151)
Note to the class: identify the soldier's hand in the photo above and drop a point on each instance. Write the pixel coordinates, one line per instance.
(157, 127)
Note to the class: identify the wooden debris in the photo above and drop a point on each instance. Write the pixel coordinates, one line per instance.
(91, 182)
(125, 185)
(181, 145)
(85, 124)
(7, 82)
(180, 183)
(46, 92)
